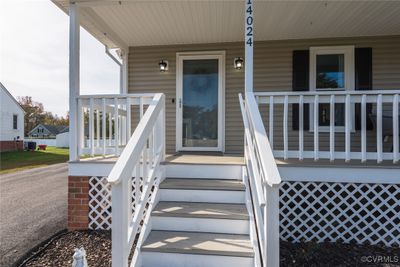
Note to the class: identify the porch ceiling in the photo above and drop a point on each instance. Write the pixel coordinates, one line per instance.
(143, 23)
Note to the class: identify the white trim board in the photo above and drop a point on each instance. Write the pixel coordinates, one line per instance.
(378, 175)
(180, 56)
(81, 168)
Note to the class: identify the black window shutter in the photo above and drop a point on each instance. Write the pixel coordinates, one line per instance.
(300, 82)
(363, 81)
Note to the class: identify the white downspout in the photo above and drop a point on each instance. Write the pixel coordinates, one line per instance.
(118, 63)
(123, 69)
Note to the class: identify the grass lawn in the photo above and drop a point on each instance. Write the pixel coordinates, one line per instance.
(21, 160)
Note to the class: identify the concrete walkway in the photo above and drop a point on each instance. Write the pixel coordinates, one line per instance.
(33, 207)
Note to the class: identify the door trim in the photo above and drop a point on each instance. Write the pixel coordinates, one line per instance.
(180, 56)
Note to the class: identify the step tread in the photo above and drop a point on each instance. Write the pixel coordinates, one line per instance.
(202, 184)
(198, 243)
(201, 210)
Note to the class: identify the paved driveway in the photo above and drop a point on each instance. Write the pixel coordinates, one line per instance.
(33, 207)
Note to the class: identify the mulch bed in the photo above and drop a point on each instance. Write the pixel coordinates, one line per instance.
(58, 252)
(337, 254)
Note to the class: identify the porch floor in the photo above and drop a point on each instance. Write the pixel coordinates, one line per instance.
(234, 159)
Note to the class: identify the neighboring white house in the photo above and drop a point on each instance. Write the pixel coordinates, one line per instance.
(11, 120)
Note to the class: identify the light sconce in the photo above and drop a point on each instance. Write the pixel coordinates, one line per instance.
(238, 63)
(163, 65)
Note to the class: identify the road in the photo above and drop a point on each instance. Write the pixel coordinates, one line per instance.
(33, 207)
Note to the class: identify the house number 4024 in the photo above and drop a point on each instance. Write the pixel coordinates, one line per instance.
(249, 22)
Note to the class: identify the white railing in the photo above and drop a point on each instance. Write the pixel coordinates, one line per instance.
(264, 178)
(104, 121)
(340, 141)
(139, 162)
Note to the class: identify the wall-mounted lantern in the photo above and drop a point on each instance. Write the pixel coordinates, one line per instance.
(238, 63)
(163, 64)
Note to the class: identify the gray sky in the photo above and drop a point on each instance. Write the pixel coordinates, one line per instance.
(34, 55)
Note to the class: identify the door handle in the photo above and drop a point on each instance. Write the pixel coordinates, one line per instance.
(180, 102)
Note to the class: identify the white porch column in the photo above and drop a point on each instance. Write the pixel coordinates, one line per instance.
(124, 72)
(74, 89)
(249, 44)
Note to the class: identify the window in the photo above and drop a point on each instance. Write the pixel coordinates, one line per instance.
(15, 122)
(331, 69)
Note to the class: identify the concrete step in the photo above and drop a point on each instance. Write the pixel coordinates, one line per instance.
(192, 249)
(201, 217)
(202, 190)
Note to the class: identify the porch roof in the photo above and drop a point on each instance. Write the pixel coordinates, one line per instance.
(145, 23)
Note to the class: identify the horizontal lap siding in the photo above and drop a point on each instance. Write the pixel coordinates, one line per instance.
(272, 72)
(144, 76)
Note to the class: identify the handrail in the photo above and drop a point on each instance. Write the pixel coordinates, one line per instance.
(342, 92)
(264, 179)
(253, 160)
(138, 167)
(151, 95)
(264, 148)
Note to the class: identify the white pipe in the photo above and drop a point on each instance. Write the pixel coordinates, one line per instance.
(120, 67)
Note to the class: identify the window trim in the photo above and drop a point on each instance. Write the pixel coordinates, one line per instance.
(349, 79)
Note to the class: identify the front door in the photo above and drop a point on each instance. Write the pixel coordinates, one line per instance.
(200, 96)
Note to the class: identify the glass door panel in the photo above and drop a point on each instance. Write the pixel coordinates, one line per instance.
(200, 86)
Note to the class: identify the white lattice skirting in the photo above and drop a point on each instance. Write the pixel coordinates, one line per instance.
(345, 212)
(99, 203)
(309, 211)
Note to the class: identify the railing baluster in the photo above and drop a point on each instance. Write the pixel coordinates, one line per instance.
(116, 127)
(271, 121)
(140, 107)
(97, 127)
(285, 128)
(332, 128)
(379, 128)
(104, 128)
(301, 127)
(144, 159)
(81, 125)
(122, 130)
(395, 128)
(120, 123)
(110, 129)
(137, 184)
(316, 128)
(128, 119)
(162, 130)
(363, 128)
(347, 127)
(151, 148)
(91, 127)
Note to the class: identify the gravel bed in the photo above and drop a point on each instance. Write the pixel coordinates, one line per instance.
(98, 249)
